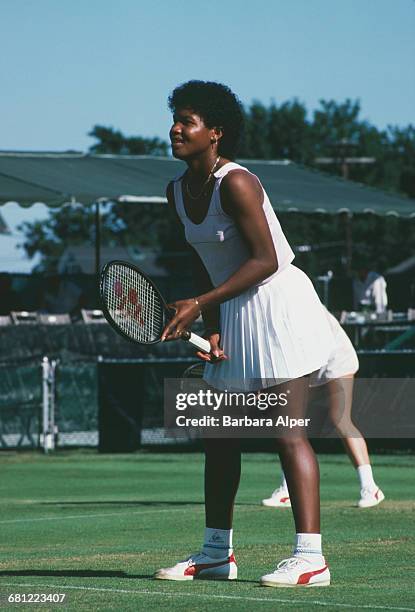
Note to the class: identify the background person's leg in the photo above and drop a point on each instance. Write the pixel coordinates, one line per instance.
(280, 497)
(340, 393)
(340, 408)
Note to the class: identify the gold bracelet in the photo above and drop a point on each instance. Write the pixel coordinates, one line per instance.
(196, 301)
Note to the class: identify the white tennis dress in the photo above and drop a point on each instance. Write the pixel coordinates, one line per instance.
(274, 331)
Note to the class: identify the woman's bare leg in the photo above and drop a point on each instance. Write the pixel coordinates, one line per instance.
(340, 409)
(222, 475)
(299, 461)
(223, 468)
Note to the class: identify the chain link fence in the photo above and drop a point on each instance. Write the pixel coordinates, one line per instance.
(52, 404)
(20, 404)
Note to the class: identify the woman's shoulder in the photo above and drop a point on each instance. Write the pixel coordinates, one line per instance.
(237, 179)
(229, 168)
(240, 190)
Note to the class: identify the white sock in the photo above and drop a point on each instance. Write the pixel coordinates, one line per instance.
(218, 543)
(366, 477)
(284, 482)
(307, 545)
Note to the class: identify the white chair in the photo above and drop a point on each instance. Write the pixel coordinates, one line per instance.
(92, 316)
(24, 317)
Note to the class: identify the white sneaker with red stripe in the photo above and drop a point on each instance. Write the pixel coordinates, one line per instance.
(370, 497)
(297, 572)
(279, 499)
(200, 566)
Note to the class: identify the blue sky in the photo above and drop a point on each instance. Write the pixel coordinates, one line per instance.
(69, 64)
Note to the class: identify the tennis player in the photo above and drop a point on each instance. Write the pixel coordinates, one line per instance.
(263, 319)
(337, 375)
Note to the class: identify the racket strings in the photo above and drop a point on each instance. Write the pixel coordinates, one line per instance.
(133, 304)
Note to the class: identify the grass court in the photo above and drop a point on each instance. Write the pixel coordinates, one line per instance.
(95, 527)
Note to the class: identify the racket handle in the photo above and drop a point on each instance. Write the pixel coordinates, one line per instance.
(197, 341)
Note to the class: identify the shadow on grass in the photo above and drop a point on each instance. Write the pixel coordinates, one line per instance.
(74, 573)
(145, 504)
(122, 503)
(96, 574)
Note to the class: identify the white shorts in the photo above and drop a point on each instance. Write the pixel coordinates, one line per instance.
(342, 361)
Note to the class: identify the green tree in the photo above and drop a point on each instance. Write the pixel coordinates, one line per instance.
(68, 225)
(289, 132)
(114, 141)
(402, 151)
(284, 131)
(334, 122)
(256, 143)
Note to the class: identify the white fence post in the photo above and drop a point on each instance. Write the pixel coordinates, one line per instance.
(48, 405)
(45, 404)
(53, 428)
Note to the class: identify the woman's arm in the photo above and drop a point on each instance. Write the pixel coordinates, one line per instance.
(210, 315)
(203, 284)
(242, 198)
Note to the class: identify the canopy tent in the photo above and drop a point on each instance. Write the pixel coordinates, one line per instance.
(4, 229)
(57, 178)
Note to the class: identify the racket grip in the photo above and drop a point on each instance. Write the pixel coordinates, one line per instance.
(198, 342)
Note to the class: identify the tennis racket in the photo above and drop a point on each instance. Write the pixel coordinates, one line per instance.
(189, 378)
(135, 308)
(196, 370)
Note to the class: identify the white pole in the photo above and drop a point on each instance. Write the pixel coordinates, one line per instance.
(52, 391)
(45, 403)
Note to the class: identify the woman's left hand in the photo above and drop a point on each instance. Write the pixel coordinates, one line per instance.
(187, 311)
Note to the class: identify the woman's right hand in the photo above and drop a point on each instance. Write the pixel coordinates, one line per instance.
(216, 354)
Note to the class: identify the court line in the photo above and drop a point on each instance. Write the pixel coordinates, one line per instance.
(77, 516)
(313, 602)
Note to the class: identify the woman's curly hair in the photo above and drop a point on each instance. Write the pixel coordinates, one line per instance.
(218, 106)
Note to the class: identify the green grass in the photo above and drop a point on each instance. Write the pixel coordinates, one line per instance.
(96, 527)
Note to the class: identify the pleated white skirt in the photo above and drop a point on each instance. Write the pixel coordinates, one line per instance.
(273, 332)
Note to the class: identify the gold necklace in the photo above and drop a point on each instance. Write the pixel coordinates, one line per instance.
(196, 197)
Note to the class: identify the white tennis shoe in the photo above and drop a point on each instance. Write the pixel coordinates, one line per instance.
(200, 565)
(370, 497)
(298, 572)
(280, 498)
